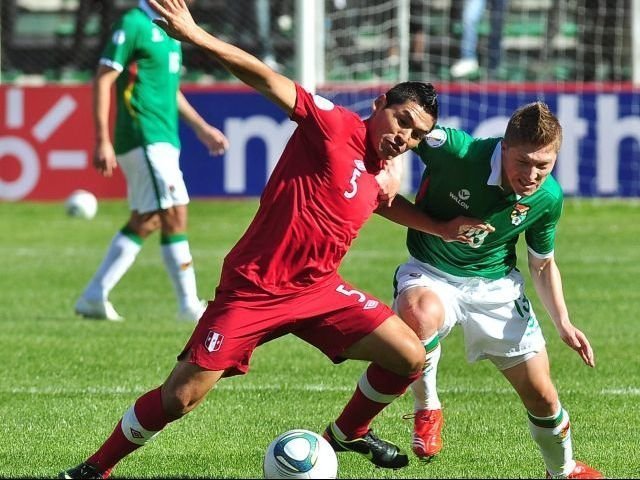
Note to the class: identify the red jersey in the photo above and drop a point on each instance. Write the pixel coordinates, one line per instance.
(321, 192)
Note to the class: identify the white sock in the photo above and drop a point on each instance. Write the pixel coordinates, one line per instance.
(425, 392)
(553, 436)
(120, 256)
(179, 263)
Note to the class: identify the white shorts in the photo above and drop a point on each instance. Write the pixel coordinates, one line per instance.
(154, 178)
(496, 316)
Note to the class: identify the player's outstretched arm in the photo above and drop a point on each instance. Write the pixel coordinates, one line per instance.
(548, 284)
(403, 212)
(104, 157)
(178, 23)
(210, 136)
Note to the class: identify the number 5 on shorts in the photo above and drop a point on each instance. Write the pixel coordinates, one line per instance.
(361, 297)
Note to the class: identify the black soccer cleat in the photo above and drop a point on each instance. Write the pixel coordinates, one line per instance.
(379, 452)
(84, 470)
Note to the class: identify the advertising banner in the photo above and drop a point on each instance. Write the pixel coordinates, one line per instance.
(46, 138)
(46, 144)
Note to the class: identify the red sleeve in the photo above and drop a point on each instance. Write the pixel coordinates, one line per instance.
(319, 118)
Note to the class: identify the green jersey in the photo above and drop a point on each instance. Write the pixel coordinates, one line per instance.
(147, 88)
(462, 177)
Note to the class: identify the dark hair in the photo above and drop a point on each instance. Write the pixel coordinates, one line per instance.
(533, 124)
(424, 94)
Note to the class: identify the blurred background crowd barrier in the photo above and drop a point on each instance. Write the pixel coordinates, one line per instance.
(362, 40)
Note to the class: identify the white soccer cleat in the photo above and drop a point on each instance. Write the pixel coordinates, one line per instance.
(464, 67)
(97, 310)
(192, 313)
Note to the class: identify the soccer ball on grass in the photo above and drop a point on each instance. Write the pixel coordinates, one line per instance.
(81, 204)
(300, 454)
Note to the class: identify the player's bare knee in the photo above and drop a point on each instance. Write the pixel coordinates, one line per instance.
(423, 313)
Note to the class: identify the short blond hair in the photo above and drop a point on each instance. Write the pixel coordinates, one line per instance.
(534, 124)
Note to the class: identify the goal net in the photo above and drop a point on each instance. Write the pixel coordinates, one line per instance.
(576, 55)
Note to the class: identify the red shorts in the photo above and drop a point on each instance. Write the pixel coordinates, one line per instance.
(331, 318)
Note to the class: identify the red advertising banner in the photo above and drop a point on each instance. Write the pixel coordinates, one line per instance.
(46, 144)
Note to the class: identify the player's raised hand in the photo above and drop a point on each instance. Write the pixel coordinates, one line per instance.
(176, 18)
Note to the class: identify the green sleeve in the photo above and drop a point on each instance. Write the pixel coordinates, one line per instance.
(120, 48)
(541, 236)
(444, 141)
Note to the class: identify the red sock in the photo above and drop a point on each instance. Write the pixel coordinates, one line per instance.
(150, 414)
(376, 389)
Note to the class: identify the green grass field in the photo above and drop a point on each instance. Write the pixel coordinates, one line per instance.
(66, 381)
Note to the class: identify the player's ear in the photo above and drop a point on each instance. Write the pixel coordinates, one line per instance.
(380, 102)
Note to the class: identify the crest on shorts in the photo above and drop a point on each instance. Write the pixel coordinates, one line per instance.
(213, 341)
(519, 213)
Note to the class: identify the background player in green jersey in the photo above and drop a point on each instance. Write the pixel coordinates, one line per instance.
(145, 63)
(506, 183)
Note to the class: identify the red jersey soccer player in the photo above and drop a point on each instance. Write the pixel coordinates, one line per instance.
(281, 277)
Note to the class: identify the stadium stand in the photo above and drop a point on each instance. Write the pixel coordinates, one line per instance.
(542, 40)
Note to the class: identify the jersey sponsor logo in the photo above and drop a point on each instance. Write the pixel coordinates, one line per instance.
(322, 103)
(436, 138)
(464, 194)
(460, 201)
(519, 213)
(213, 341)
(118, 37)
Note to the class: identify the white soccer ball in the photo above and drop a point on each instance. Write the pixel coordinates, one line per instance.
(81, 204)
(300, 454)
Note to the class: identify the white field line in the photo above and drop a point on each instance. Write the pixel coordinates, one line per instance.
(625, 391)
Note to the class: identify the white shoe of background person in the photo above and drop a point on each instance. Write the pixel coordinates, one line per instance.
(464, 67)
(192, 313)
(97, 310)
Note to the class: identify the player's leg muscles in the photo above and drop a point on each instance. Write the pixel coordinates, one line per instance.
(143, 224)
(532, 381)
(186, 387)
(393, 346)
(174, 220)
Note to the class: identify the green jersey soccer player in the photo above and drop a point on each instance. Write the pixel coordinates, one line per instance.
(507, 183)
(145, 63)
